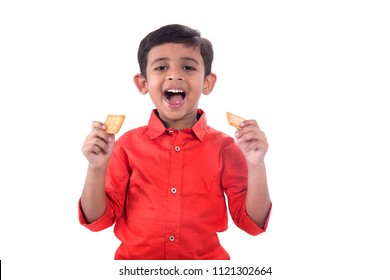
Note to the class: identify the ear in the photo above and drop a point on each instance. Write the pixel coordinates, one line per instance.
(209, 83)
(141, 83)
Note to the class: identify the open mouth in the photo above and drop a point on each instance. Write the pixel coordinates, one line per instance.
(174, 96)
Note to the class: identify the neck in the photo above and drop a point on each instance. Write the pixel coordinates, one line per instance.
(181, 124)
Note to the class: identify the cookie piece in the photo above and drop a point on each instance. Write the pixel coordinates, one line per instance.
(234, 120)
(114, 123)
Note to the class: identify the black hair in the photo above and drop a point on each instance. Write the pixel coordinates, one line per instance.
(175, 33)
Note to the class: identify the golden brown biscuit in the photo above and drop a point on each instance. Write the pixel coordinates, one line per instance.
(234, 120)
(114, 123)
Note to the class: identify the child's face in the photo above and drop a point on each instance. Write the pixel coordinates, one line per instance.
(175, 82)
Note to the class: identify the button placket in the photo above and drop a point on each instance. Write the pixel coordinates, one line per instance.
(174, 198)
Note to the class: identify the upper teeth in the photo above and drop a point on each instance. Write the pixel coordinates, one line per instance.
(174, 90)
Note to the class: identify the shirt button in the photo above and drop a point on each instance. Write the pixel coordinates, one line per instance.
(177, 149)
(170, 131)
(171, 238)
(173, 190)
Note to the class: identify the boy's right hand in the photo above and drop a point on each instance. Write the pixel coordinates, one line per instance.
(98, 146)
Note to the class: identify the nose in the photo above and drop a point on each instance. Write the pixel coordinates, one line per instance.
(174, 75)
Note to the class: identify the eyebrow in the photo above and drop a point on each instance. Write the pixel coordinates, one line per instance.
(186, 58)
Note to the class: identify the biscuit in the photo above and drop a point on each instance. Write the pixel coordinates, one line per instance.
(114, 123)
(234, 120)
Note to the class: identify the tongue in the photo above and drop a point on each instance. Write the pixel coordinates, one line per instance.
(175, 99)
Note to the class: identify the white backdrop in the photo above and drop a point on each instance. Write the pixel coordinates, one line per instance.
(314, 74)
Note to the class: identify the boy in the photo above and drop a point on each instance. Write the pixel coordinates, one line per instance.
(163, 185)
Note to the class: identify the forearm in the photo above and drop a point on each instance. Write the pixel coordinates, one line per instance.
(93, 197)
(258, 199)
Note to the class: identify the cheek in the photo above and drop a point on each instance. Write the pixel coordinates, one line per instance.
(156, 98)
(153, 86)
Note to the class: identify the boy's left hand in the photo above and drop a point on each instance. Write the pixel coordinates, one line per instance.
(252, 142)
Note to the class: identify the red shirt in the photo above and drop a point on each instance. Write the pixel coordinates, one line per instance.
(166, 192)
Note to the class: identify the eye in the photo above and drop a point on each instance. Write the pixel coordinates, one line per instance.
(189, 68)
(161, 68)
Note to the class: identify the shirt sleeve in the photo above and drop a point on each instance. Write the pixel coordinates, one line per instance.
(105, 221)
(117, 181)
(235, 185)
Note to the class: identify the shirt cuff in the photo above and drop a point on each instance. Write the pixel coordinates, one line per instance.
(250, 226)
(103, 222)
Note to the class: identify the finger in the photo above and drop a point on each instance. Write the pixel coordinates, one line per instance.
(91, 149)
(97, 124)
(251, 135)
(102, 143)
(96, 150)
(95, 145)
(99, 133)
(247, 126)
(248, 123)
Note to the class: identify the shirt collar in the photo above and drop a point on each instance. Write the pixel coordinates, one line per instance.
(157, 128)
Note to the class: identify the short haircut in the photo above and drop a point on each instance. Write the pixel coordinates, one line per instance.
(175, 33)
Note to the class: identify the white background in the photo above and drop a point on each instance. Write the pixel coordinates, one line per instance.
(314, 74)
